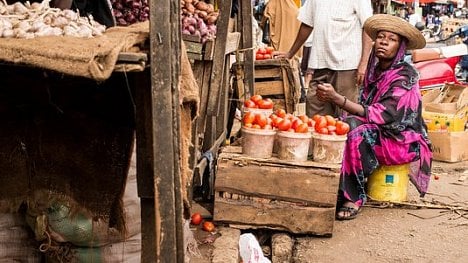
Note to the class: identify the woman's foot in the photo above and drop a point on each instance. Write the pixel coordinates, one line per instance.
(348, 211)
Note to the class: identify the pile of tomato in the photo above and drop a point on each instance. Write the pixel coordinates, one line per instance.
(258, 102)
(282, 121)
(264, 53)
(327, 124)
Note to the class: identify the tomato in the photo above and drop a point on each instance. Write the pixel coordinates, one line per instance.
(316, 117)
(249, 104)
(302, 128)
(311, 123)
(436, 177)
(296, 122)
(248, 125)
(323, 130)
(304, 118)
(196, 219)
(267, 56)
(284, 125)
(331, 128)
(249, 118)
(320, 123)
(280, 113)
(330, 120)
(256, 98)
(256, 126)
(261, 120)
(265, 104)
(276, 121)
(270, 50)
(259, 56)
(262, 51)
(208, 226)
(342, 128)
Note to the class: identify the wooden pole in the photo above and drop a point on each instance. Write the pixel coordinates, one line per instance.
(158, 132)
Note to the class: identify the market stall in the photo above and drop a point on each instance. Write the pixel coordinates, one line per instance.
(71, 107)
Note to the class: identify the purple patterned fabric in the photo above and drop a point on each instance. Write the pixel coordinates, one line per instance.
(391, 132)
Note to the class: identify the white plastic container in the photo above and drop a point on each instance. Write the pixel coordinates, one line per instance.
(293, 146)
(257, 143)
(328, 148)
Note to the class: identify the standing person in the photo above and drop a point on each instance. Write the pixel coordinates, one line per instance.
(282, 19)
(386, 126)
(340, 48)
(414, 17)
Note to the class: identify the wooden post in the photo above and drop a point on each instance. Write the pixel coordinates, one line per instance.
(158, 153)
(247, 42)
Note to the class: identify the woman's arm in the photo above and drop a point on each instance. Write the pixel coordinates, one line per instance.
(326, 92)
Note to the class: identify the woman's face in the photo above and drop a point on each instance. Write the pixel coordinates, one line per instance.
(386, 45)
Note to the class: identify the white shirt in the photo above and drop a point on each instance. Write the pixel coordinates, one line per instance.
(337, 34)
(414, 18)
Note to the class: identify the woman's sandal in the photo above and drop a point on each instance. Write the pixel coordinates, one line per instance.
(348, 213)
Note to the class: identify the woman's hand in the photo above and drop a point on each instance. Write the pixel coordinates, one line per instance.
(326, 92)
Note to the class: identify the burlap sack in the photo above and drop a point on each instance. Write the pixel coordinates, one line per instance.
(93, 58)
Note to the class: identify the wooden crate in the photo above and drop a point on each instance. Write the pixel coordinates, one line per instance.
(196, 50)
(278, 79)
(270, 193)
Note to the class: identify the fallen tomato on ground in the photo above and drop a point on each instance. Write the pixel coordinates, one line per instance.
(196, 219)
(208, 226)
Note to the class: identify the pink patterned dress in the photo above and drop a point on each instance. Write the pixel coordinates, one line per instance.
(391, 132)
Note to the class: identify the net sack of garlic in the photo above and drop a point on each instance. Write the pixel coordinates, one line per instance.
(30, 20)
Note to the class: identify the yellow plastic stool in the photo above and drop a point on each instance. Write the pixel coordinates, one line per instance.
(389, 183)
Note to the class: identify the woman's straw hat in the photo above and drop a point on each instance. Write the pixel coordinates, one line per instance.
(396, 25)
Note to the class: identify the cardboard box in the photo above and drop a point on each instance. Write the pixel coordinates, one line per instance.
(449, 146)
(446, 109)
(446, 122)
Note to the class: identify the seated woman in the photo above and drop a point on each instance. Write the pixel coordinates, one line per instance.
(386, 124)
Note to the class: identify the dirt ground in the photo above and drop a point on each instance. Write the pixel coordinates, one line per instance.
(400, 233)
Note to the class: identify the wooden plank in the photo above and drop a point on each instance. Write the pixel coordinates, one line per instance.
(145, 166)
(287, 89)
(272, 62)
(165, 46)
(235, 153)
(194, 56)
(205, 78)
(132, 57)
(191, 38)
(308, 185)
(209, 50)
(299, 220)
(194, 47)
(219, 59)
(270, 72)
(232, 43)
(269, 87)
(245, 16)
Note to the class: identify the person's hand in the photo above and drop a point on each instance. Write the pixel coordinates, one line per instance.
(361, 70)
(326, 92)
(280, 54)
(360, 78)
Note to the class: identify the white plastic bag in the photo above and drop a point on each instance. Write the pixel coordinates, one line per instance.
(250, 251)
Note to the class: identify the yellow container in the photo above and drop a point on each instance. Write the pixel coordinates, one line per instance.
(389, 183)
